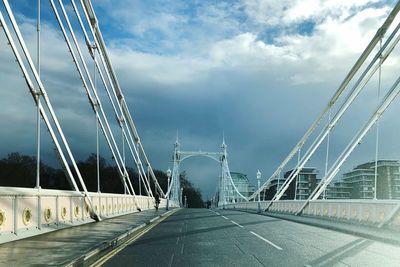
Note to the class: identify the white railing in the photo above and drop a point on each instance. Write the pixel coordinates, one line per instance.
(371, 212)
(25, 212)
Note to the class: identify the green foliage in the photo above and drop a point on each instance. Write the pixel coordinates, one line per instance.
(194, 198)
(18, 170)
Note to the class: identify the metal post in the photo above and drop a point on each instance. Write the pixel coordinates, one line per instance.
(377, 128)
(185, 202)
(97, 127)
(149, 181)
(327, 149)
(167, 208)
(180, 198)
(297, 177)
(278, 185)
(38, 102)
(123, 151)
(168, 189)
(140, 187)
(264, 191)
(97, 155)
(258, 182)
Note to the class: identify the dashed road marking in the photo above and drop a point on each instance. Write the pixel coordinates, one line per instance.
(266, 240)
(172, 260)
(225, 217)
(241, 226)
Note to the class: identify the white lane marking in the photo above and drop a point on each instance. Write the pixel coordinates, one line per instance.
(241, 226)
(266, 240)
(172, 260)
(183, 246)
(224, 217)
(217, 213)
(177, 240)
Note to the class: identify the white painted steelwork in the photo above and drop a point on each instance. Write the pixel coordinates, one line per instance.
(43, 92)
(31, 73)
(343, 86)
(227, 191)
(370, 212)
(132, 131)
(56, 209)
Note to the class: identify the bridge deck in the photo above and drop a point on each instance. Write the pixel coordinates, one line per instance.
(193, 237)
(66, 245)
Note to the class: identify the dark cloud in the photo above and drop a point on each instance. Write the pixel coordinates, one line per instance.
(262, 95)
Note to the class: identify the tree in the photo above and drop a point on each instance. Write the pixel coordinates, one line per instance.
(18, 170)
(193, 195)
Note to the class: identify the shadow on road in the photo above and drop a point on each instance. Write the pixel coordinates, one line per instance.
(335, 256)
(172, 220)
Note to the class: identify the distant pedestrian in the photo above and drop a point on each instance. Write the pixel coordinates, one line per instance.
(157, 200)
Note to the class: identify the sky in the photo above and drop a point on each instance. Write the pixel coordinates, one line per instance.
(258, 72)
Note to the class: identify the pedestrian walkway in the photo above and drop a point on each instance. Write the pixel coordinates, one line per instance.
(76, 245)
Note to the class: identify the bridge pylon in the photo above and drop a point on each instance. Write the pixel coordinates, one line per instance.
(227, 190)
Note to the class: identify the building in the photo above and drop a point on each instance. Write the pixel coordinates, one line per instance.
(338, 190)
(242, 183)
(305, 183)
(361, 180)
(269, 192)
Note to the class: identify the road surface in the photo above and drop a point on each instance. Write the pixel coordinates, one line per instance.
(202, 237)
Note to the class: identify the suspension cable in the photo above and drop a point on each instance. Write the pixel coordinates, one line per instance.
(377, 128)
(97, 128)
(38, 102)
(327, 149)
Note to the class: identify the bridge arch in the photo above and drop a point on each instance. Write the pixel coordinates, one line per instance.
(227, 190)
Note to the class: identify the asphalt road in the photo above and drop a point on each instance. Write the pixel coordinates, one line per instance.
(201, 237)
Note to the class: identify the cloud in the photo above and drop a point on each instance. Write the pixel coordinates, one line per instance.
(260, 71)
(287, 13)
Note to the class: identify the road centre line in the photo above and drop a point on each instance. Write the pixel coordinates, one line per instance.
(241, 226)
(224, 217)
(266, 240)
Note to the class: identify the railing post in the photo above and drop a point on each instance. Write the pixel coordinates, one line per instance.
(39, 211)
(15, 215)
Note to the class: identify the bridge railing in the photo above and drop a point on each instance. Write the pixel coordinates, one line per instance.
(25, 211)
(369, 212)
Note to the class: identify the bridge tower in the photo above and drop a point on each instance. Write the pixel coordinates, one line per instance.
(227, 190)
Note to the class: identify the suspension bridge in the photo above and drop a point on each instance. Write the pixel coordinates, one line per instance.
(79, 227)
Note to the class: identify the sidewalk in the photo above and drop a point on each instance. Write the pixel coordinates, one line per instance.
(379, 234)
(75, 245)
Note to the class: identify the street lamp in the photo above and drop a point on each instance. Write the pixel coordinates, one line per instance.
(168, 192)
(258, 181)
(180, 197)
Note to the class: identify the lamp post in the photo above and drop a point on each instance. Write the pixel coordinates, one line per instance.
(168, 192)
(180, 197)
(258, 182)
